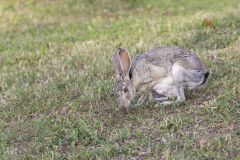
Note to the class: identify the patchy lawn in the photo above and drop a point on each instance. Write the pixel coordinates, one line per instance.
(56, 80)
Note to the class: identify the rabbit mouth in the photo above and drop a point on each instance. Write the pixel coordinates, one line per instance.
(123, 103)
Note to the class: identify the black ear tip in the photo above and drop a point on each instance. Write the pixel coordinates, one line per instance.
(121, 49)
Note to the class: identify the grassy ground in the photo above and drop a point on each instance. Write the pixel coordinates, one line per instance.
(56, 79)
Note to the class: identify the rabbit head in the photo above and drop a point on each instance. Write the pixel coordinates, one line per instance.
(123, 88)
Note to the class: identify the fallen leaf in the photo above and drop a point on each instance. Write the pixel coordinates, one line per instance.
(209, 23)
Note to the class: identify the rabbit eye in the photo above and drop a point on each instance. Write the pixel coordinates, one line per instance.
(125, 89)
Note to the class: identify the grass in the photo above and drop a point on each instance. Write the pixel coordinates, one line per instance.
(56, 79)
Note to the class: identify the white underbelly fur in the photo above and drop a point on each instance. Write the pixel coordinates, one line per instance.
(166, 87)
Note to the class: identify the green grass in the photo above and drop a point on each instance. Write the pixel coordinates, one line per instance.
(56, 80)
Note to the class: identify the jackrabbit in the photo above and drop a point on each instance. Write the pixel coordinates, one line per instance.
(163, 72)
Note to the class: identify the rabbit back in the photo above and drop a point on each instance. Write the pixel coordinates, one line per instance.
(155, 66)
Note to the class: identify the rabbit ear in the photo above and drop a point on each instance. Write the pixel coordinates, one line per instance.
(125, 60)
(122, 62)
(116, 62)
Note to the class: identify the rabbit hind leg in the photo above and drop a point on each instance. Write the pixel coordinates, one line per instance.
(165, 94)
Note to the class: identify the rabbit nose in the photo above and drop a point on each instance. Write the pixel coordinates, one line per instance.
(123, 103)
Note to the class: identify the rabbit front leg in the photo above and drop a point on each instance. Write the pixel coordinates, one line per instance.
(142, 99)
(146, 93)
